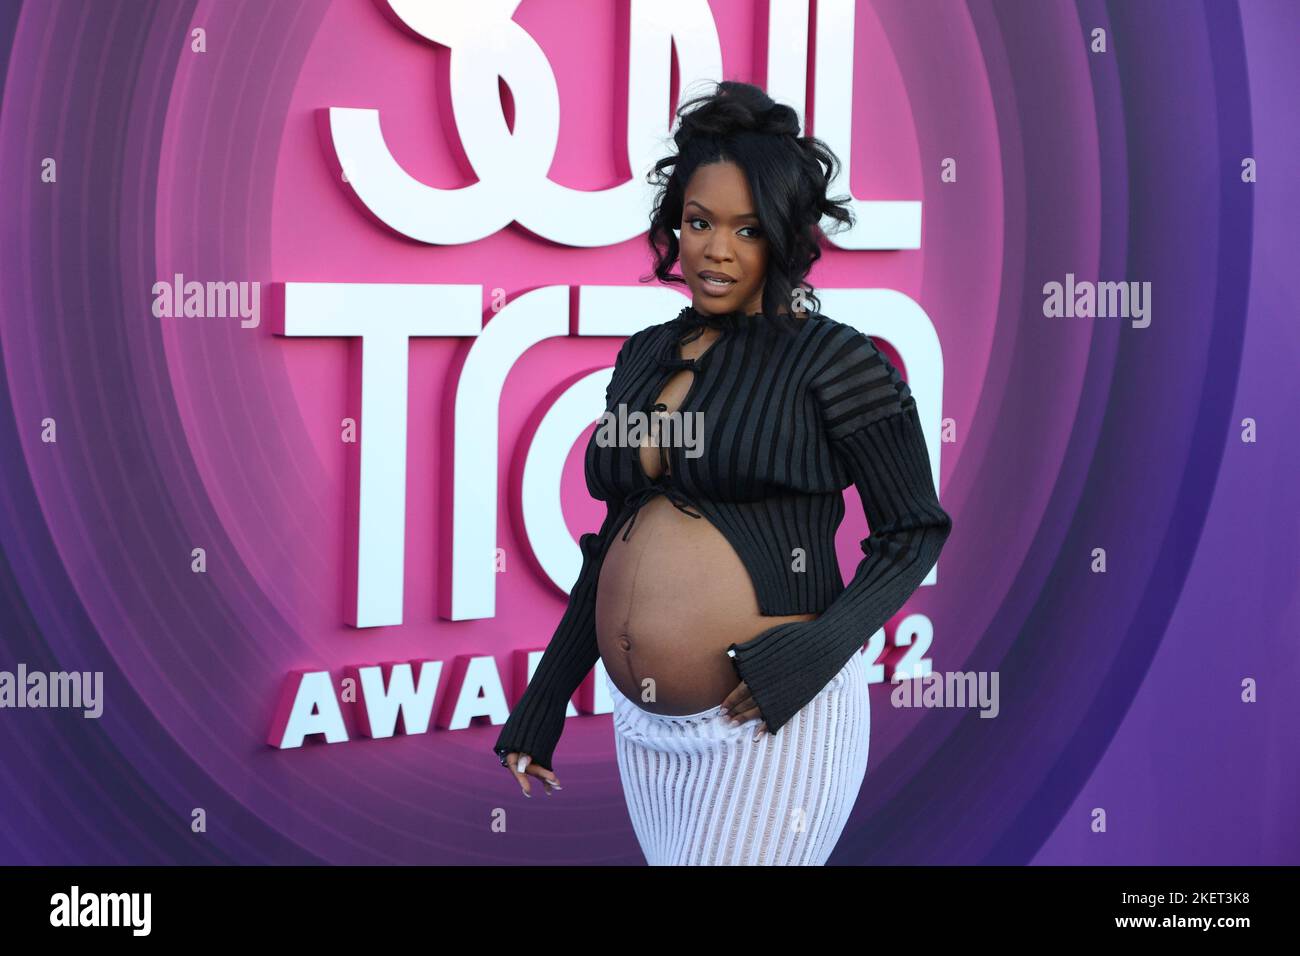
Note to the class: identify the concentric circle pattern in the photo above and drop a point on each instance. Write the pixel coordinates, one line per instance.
(1122, 574)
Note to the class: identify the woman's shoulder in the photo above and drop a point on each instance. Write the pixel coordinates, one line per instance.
(655, 336)
(856, 380)
(837, 331)
(645, 337)
(840, 345)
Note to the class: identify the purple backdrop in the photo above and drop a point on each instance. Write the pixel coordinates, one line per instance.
(1120, 691)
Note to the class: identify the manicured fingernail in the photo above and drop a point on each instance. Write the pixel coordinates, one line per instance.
(525, 792)
(723, 711)
(523, 762)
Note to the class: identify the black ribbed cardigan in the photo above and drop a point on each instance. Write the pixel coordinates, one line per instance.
(794, 411)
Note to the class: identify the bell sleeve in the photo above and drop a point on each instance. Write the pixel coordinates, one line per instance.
(537, 721)
(870, 418)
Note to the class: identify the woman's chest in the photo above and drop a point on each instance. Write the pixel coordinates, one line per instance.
(723, 422)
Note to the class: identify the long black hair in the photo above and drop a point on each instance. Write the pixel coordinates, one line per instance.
(788, 176)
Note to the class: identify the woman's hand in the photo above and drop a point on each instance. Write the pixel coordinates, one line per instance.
(520, 765)
(740, 707)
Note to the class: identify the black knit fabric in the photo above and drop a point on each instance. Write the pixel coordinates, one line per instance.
(795, 410)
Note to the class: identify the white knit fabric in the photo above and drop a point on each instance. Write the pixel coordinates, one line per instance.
(702, 792)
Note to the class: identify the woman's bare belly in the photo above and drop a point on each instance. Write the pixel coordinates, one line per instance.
(669, 602)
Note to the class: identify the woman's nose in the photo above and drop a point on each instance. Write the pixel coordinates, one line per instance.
(718, 248)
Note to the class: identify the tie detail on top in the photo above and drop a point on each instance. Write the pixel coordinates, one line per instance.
(659, 486)
(669, 361)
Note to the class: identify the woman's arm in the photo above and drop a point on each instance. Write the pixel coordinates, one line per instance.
(537, 721)
(871, 420)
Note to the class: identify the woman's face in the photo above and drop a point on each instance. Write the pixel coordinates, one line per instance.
(721, 236)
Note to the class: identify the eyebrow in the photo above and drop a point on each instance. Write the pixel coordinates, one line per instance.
(709, 212)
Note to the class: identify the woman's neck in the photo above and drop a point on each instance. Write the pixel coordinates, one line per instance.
(732, 319)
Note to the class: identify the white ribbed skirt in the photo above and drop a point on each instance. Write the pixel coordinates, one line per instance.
(702, 792)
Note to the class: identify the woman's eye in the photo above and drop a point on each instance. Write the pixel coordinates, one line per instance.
(755, 231)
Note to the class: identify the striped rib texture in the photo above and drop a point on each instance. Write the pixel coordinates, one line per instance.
(702, 792)
(795, 411)
(786, 665)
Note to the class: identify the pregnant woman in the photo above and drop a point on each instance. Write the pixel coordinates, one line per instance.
(712, 592)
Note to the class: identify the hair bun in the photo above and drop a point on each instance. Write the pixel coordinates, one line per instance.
(737, 108)
(780, 120)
